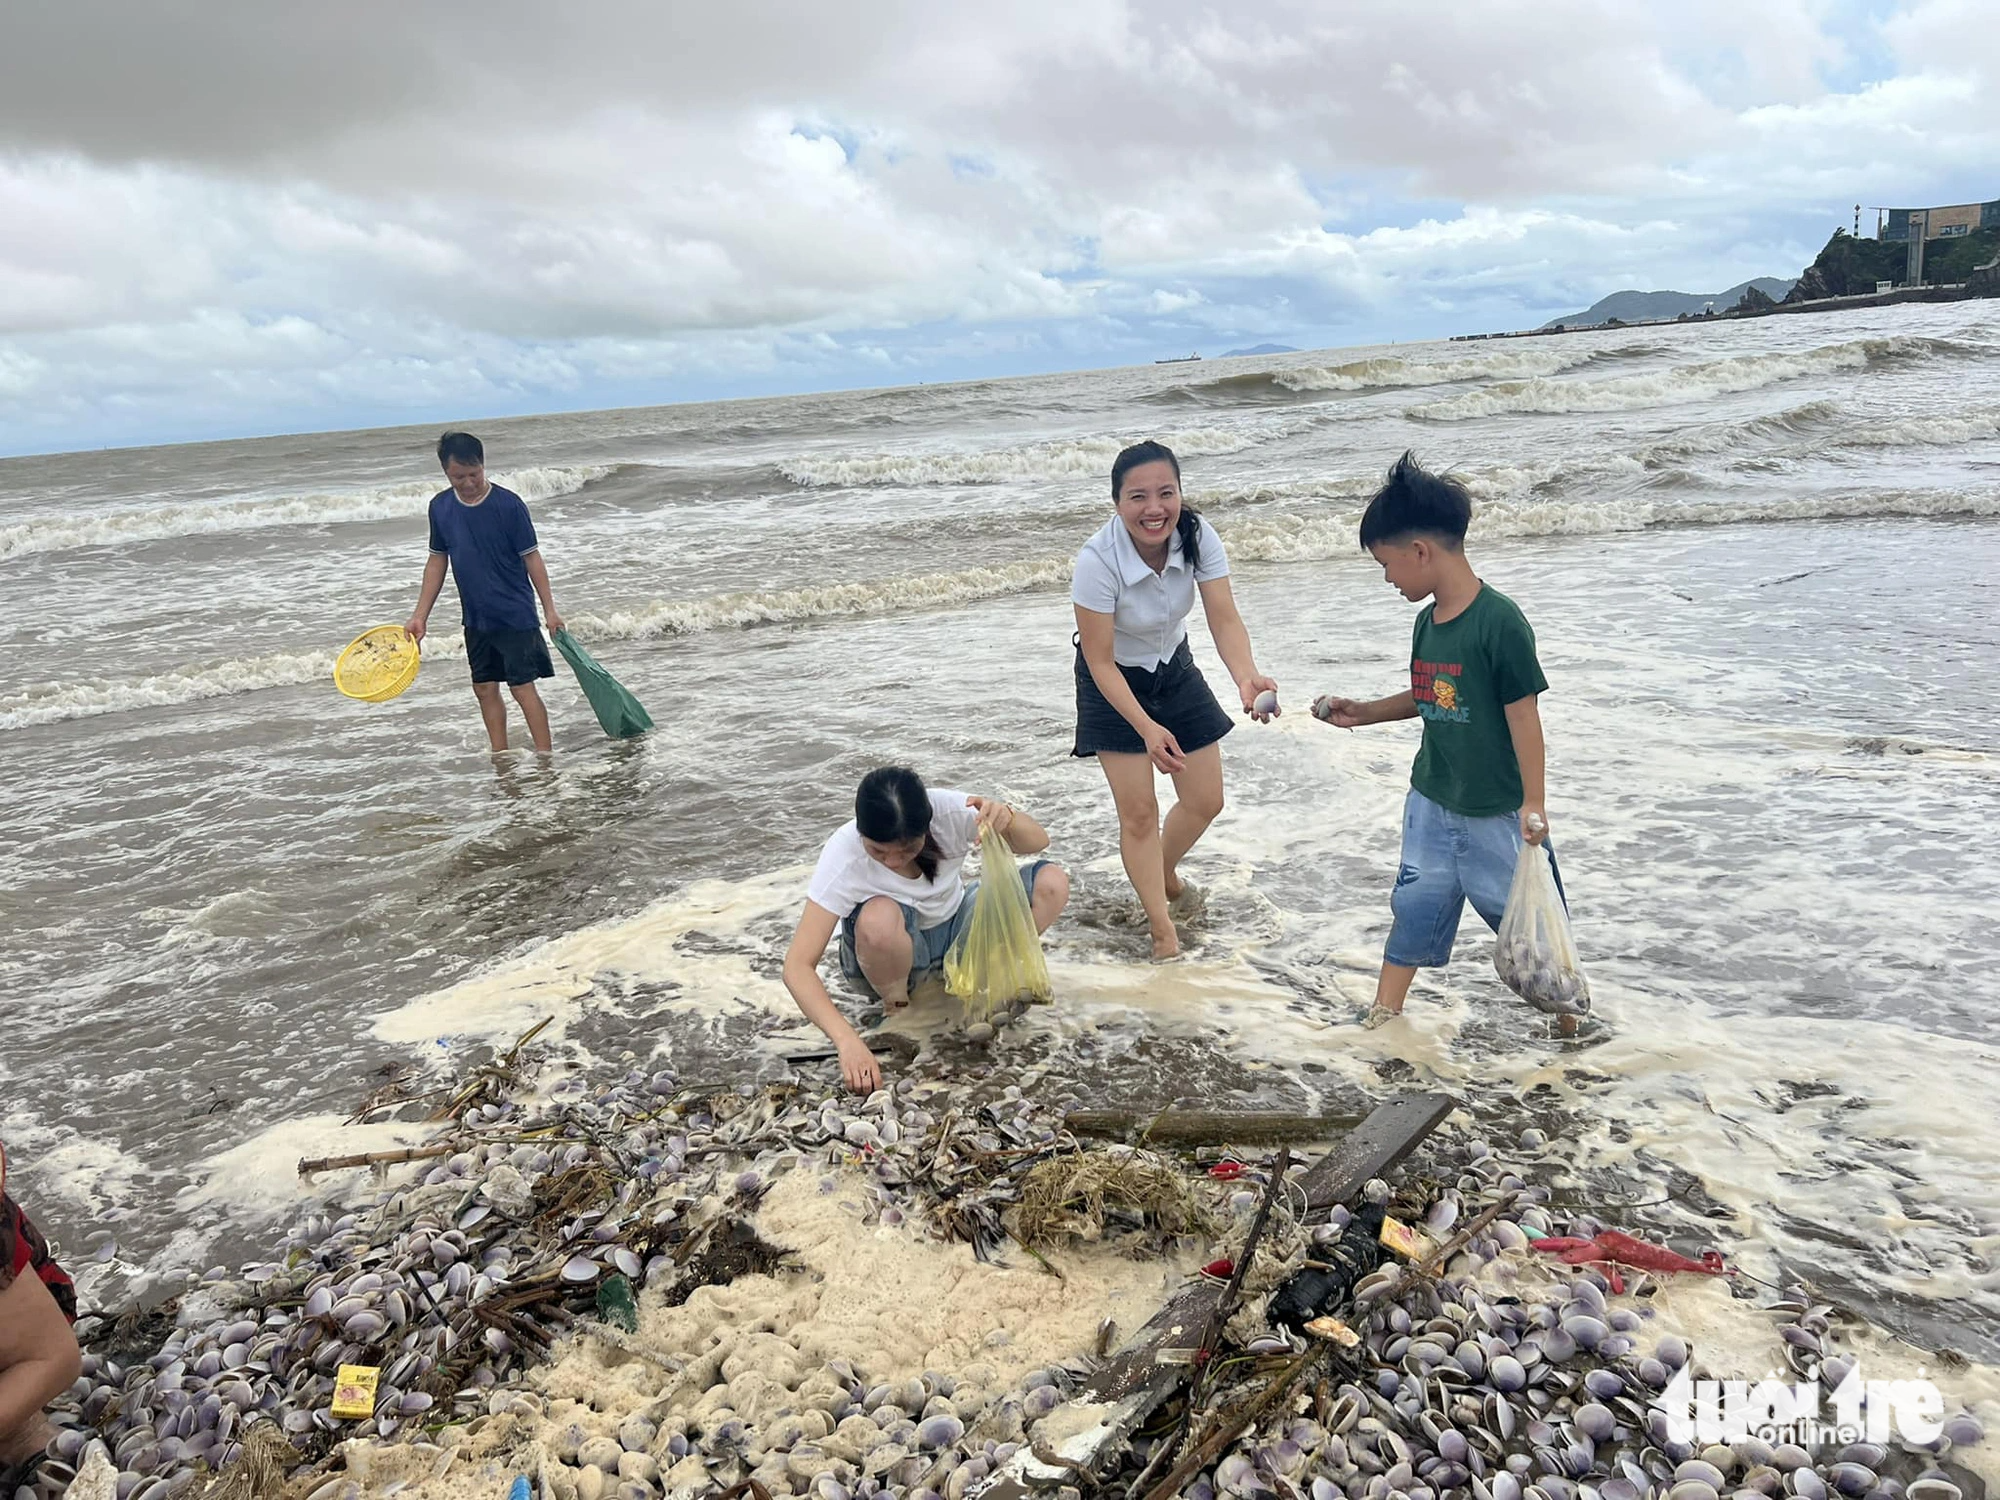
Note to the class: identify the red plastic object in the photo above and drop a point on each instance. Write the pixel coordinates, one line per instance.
(1611, 1249)
(1228, 1171)
(1223, 1267)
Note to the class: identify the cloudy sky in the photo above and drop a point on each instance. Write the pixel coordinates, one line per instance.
(236, 216)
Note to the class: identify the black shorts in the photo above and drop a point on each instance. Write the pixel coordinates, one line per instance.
(510, 656)
(1176, 697)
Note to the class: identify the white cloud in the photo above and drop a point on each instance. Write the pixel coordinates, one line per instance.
(238, 213)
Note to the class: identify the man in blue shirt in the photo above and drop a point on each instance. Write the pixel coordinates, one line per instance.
(485, 533)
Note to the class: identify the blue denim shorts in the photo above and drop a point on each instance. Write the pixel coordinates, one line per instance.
(928, 945)
(1449, 859)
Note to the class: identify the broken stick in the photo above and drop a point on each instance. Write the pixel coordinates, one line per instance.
(310, 1165)
(1233, 1426)
(1205, 1127)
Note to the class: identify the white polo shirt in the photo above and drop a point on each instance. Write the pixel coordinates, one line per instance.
(846, 876)
(1148, 610)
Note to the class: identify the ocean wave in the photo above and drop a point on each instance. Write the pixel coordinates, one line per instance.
(201, 517)
(1316, 537)
(1720, 377)
(1392, 372)
(1321, 537)
(665, 617)
(1970, 426)
(54, 702)
(1072, 458)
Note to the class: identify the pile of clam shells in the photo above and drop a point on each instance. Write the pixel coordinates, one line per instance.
(1504, 1377)
(1511, 1376)
(829, 1432)
(457, 1281)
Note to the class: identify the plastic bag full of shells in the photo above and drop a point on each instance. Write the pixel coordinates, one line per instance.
(1534, 953)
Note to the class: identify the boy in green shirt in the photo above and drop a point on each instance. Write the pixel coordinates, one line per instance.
(1476, 790)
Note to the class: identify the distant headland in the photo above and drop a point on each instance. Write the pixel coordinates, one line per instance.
(1917, 255)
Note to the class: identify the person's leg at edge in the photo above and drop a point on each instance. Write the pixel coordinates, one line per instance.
(493, 709)
(1131, 778)
(1198, 789)
(535, 712)
(883, 948)
(1049, 895)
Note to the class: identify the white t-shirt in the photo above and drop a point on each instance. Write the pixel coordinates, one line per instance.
(1148, 610)
(846, 877)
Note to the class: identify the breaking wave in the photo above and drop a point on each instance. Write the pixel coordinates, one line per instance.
(667, 617)
(156, 523)
(1389, 372)
(1721, 377)
(1323, 534)
(1320, 537)
(1070, 458)
(1392, 372)
(1972, 426)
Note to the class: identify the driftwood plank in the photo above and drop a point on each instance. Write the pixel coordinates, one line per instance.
(1207, 1127)
(1151, 1365)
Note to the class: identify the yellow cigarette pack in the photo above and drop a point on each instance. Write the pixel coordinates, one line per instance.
(1410, 1243)
(354, 1391)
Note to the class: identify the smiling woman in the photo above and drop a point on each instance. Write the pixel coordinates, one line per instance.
(1141, 703)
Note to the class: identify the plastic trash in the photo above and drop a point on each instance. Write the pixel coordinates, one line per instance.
(998, 958)
(615, 1303)
(1535, 955)
(618, 712)
(1313, 1292)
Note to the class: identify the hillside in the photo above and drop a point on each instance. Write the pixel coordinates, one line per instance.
(1849, 267)
(1641, 307)
(1260, 349)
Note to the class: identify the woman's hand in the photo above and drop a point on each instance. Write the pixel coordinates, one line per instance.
(1250, 687)
(993, 813)
(858, 1065)
(1163, 749)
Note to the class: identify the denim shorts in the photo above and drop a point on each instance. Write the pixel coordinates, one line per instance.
(928, 945)
(1449, 859)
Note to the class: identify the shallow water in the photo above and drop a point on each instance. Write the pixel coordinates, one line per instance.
(1759, 559)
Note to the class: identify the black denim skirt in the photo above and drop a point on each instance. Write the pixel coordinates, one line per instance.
(1176, 696)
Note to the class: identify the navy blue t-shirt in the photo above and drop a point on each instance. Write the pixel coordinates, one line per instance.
(488, 545)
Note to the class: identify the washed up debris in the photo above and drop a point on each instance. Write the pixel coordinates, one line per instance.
(1207, 1127)
(1079, 1195)
(354, 1392)
(484, 1290)
(1612, 1249)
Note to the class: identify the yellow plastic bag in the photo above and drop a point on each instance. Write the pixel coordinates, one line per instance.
(998, 958)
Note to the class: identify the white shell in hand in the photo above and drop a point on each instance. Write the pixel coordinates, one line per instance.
(1267, 703)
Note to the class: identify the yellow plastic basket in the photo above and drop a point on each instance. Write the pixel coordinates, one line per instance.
(378, 664)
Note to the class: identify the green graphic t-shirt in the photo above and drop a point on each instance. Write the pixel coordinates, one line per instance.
(1464, 673)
